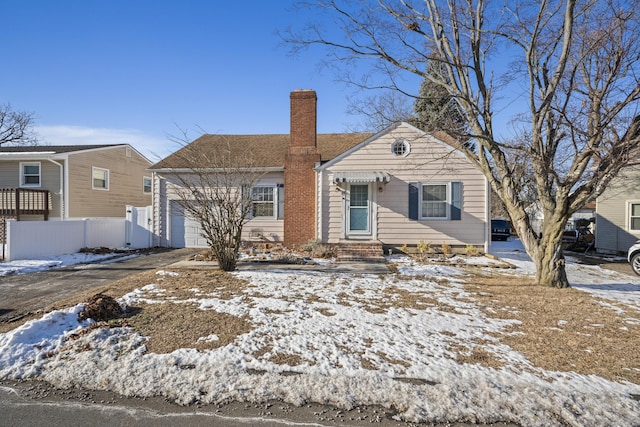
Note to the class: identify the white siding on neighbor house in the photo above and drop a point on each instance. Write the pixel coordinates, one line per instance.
(613, 234)
(170, 220)
(428, 161)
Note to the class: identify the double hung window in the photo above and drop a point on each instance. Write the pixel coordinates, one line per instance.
(30, 174)
(435, 201)
(100, 179)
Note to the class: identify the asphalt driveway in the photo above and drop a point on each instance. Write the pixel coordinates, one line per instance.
(24, 294)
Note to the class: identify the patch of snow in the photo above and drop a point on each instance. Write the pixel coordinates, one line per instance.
(79, 259)
(348, 343)
(167, 273)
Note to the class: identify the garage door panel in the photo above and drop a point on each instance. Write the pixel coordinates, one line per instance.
(185, 230)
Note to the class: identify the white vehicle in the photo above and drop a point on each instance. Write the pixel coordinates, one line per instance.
(633, 256)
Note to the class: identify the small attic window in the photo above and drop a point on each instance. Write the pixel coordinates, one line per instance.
(400, 148)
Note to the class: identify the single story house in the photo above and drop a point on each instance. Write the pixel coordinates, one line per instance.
(72, 181)
(399, 186)
(618, 213)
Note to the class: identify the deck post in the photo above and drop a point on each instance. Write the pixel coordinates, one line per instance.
(17, 204)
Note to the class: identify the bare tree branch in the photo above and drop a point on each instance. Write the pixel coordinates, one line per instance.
(214, 183)
(15, 127)
(577, 61)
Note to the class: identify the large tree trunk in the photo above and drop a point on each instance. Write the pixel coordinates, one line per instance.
(550, 266)
(547, 254)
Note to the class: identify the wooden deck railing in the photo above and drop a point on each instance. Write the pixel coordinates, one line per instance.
(24, 201)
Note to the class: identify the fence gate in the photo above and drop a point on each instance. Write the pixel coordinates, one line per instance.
(138, 232)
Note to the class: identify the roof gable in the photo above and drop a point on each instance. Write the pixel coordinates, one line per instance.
(438, 137)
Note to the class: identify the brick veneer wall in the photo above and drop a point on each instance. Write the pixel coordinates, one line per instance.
(299, 176)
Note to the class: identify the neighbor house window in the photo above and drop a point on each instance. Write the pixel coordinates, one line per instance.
(434, 201)
(146, 185)
(264, 202)
(100, 179)
(634, 216)
(30, 174)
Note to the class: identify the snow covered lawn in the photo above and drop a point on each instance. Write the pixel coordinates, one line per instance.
(405, 341)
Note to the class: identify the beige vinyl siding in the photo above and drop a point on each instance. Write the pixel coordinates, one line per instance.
(272, 230)
(612, 213)
(160, 220)
(49, 180)
(429, 161)
(125, 182)
(9, 174)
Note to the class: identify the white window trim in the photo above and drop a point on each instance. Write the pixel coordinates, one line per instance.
(275, 203)
(22, 175)
(150, 185)
(108, 178)
(447, 202)
(628, 215)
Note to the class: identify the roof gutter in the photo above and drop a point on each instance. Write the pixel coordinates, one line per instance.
(27, 156)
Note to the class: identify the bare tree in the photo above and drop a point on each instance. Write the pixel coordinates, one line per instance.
(381, 110)
(574, 64)
(16, 127)
(214, 181)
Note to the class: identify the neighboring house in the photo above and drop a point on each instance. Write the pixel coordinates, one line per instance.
(72, 181)
(399, 186)
(618, 213)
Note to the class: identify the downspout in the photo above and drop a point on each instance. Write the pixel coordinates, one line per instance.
(319, 198)
(487, 213)
(61, 188)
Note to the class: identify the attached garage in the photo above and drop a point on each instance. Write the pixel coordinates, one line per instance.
(185, 230)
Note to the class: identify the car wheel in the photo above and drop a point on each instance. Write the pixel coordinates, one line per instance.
(635, 263)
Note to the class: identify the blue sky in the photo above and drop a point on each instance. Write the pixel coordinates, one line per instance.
(130, 71)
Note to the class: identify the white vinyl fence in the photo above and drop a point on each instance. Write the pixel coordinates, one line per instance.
(37, 239)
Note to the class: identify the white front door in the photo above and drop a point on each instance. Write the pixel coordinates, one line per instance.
(358, 206)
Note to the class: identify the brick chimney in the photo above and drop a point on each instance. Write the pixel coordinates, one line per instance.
(299, 176)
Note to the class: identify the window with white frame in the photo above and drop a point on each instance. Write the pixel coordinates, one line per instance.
(263, 202)
(146, 185)
(434, 201)
(634, 216)
(30, 174)
(100, 179)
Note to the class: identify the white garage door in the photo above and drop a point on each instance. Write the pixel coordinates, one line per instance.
(185, 230)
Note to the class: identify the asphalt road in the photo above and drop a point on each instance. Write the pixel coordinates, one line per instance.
(23, 294)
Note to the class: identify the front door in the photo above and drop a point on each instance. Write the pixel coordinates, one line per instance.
(359, 210)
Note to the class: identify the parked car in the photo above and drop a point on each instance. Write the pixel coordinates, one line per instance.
(500, 229)
(633, 256)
